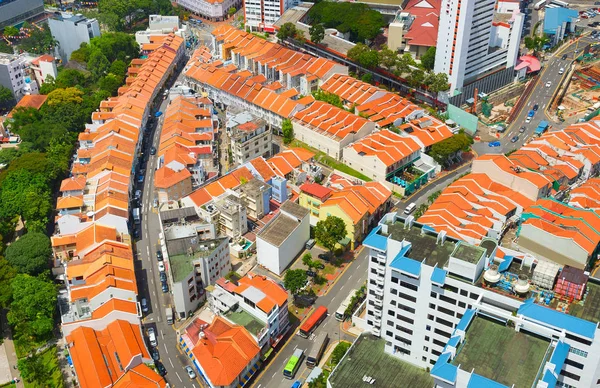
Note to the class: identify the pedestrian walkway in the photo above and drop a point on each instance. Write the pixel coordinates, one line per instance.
(8, 361)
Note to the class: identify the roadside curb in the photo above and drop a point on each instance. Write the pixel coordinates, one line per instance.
(346, 331)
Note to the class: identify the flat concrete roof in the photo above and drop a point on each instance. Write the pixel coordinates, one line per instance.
(278, 230)
(294, 209)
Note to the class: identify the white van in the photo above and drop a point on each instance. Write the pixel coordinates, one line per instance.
(152, 336)
(410, 208)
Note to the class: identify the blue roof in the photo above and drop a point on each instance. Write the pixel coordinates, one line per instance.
(406, 265)
(561, 351)
(443, 369)
(465, 320)
(477, 381)
(557, 319)
(375, 240)
(555, 17)
(428, 228)
(439, 276)
(454, 341)
(505, 264)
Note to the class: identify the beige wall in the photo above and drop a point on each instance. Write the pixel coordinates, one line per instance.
(326, 142)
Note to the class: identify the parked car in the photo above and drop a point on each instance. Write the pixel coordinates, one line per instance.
(304, 300)
(297, 384)
(159, 256)
(165, 287)
(320, 266)
(310, 273)
(163, 277)
(324, 256)
(140, 178)
(144, 304)
(190, 372)
(160, 368)
(528, 119)
(494, 144)
(161, 266)
(514, 139)
(154, 353)
(138, 194)
(522, 129)
(152, 336)
(153, 151)
(136, 233)
(561, 70)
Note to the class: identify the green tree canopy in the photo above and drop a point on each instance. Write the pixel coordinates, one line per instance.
(288, 131)
(329, 98)
(65, 106)
(7, 274)
(317, 33)
(443, 150)
(288, 30)
(30, 254)
(11, 31)
(329, 231)
(115, 45)
(358, 19)
(364, 56)
(34, 370)
(6, 96)
(231, 11)
(40, 41)
(416, 78)
(32, 309)
(118, 68)
(27, 195)
(428, 59)
(98, 64)
(294, 280)
(437, 82)
(338, 352)
(110, 83)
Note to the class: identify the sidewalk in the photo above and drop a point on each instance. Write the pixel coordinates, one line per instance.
(8, 348)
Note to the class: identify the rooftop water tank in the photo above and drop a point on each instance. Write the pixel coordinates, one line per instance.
(492, 275)
(522, 285)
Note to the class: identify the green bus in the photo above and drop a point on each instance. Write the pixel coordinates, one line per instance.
(293, 364)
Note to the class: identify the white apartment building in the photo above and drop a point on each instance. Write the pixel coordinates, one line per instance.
(250, 140)
(14, 77)
(261, 15)
(215, 10)
(160, 25)
(71, 31)
(477, 46)
(428, 294)
(233, 216)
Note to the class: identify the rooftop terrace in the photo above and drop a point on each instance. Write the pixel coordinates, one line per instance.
(183, 252)
(367, 358)
(469, 253)
(424, 245)
(590, 310)
(242, 318)
(500, 353)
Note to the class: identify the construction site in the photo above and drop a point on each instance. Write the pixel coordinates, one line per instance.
(581, 97)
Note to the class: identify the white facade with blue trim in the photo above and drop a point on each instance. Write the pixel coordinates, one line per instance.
(425, 289)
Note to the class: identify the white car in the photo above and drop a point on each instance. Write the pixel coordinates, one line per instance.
(152, 336)
(528, 119)
(161, 266)
(548, 84)
(561, 70)
(190, 372)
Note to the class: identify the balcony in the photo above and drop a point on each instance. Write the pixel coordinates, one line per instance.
(378, 291)
(380, 270)
(377, 322)
(378, 302)
(380, 281)
(377, 313)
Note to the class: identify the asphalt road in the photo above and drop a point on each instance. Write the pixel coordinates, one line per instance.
(147, 273)
(353, 278)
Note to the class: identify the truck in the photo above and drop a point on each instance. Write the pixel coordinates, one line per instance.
(169, 315)
(541, 128)
(136, 215)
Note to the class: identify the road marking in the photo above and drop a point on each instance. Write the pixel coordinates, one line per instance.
(162, 334)
(171, 362)
(154, 293)
(148, 251)
(295, 346)
(274, 375)
(147, 238)
(181, 381)
(342, 288)
(166, 350)
(156, 306)
(350, 277)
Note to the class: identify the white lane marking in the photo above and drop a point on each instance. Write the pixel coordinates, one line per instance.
(295, 346)
(156, 306)
(171, 362)
(152, 281)
(274, 375)
(342, 288)
(154, 293)
(181, 381)
(162, 334)
(166, 350)
(147, 237)
(148, 252)
(350, 277)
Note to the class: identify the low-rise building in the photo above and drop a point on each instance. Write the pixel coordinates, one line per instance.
(283, 238)
(215, 10)
(233, 216)
(13, 76)
(415, 27)
(312, 196)
(559, 22)
(71, 31)
(328, 128)
(250, 140)
(42, 67)
(160, 26)
(224, 354)
(256, 302)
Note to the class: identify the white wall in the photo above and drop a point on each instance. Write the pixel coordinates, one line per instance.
(326, 142)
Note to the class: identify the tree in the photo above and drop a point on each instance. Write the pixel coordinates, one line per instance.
(118, 68)
(307, 260)
(5, 48)
(59, 156)
(329, 231)
(339, 352)
(65, 107)
(404, 64)
(33, 369)
(319, 382)
(536, 43)
(6, 96)
(11, 31)
(30, 254)
(431, 199)
(82, 54)
(416, 78)
(428, 59)
(443, 150)
(356, 19)
(27, 195)
(39, 41)
(231, 11)
(287, 30)
(329, 98)
(288, 131)
(98, 64)
(437, 82)
(110, 83)
(388, 58)
(364, 56)
(32, 309)
(317, 33)
(7, 274)
(294, 280)
(420, 210)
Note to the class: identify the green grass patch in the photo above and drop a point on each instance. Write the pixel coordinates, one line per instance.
(49, 358)
(327, 160)
(328, 270)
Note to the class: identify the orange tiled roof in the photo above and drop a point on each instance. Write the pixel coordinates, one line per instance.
(30, 101)
(329, 120)
(386, 146)
(274, 294)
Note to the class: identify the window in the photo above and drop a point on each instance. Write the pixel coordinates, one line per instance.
(393, 303)
(433, 295)
(394, 279)
(574, 363)
(436, 353)
(444, 322)
(473, 296)
(578, 339)
(426, 338)
(447, 300)
(425, 348)
(409, 286)
(394, 291)
(464, 292)
(442, 333)
(389, 333)
(462, 305)
(424, 359)
(579, 352)
(404, 329)
(406, 308)
(407, 297)
(446, 311)
(430, 317)
(438, 343)
(403, 340)
(431, 306)
(450, 288)
(390, 323)
(391, 313)
(403, 318)
(569, 375)
(428, 328)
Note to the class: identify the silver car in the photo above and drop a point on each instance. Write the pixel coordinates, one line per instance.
(190, 372)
